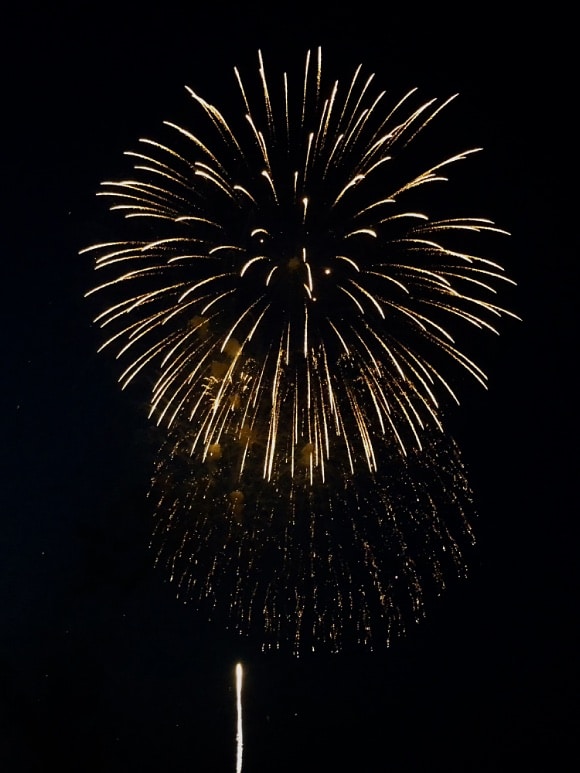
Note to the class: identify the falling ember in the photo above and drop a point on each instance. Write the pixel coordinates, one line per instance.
(239, 735)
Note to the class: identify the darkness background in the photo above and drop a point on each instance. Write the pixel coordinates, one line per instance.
(101, 667)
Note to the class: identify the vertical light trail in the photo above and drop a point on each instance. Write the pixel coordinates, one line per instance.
(239, 734)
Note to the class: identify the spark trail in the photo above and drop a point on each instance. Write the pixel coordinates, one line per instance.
(239, 728)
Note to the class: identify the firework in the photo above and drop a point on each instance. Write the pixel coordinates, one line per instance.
(294, 305)
(314, 566)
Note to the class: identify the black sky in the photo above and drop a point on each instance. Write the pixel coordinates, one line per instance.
(101, 667)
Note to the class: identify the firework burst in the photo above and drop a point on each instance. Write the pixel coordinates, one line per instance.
(296, 310)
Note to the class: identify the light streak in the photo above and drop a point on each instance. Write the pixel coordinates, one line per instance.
(239, 728)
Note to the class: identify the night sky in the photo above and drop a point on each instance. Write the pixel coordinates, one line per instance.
(101, 667)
